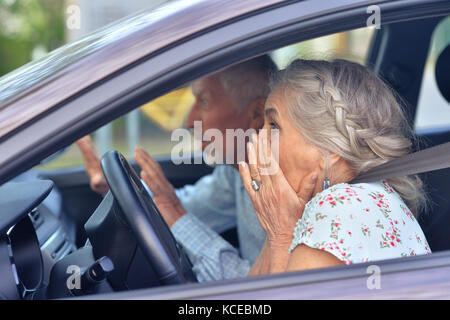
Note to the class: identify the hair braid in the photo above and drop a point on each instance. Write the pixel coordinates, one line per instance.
(344, 108)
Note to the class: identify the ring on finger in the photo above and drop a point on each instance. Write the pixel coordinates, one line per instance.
(256, 185)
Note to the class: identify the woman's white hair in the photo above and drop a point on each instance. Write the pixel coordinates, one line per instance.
(344, 108)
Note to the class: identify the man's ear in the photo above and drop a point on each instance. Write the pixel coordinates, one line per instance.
(256, 113)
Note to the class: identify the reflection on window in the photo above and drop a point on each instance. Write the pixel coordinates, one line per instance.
(149, 127)
(352, 45)
(433, 111)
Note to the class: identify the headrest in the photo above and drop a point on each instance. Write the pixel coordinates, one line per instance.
(442, 73)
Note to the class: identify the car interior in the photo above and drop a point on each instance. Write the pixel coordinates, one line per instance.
(70, 219)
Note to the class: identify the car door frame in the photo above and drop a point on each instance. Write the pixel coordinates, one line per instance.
(416, 277)
(211, 55)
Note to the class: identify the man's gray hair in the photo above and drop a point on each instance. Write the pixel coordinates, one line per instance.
(248, 80)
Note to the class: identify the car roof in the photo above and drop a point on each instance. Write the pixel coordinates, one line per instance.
(62, 73)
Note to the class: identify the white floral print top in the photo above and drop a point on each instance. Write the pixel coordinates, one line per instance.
(360, 223)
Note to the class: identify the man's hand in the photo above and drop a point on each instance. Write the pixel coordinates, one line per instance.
(163, 192)
(92, 164)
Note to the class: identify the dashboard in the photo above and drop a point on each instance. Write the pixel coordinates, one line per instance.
(32, 239)
(40, 260)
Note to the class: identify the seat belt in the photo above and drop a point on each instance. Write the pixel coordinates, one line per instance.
(430, 159)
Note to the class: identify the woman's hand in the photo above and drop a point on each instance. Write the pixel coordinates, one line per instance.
(277, 206)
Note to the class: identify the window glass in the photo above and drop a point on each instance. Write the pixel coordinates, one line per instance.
(351, 45)
(152, 124)
(433, 111)
(149, 127)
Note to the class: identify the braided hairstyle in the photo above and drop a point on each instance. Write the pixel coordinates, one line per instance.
(344, 108)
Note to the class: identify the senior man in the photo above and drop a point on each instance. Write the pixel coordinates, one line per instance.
(197, 214)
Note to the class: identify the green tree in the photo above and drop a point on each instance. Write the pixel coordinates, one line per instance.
(28, 26)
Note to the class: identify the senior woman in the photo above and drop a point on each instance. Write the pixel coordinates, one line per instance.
(335, 120)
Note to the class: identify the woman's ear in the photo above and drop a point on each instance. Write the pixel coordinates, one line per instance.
(333, 158)
(256, 113)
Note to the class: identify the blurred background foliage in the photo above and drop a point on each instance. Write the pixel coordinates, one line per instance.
(28, 30)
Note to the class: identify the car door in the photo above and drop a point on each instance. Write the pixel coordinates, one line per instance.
(213, 49)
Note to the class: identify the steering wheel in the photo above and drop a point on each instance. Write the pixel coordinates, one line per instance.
(144, 219)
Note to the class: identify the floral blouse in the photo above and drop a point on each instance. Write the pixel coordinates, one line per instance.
(360, 223)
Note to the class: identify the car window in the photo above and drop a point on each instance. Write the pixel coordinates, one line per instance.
(152, 124)
(351, 45)
(433, 111)
(150, 127)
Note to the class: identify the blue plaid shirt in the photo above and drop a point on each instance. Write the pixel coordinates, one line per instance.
(218, 202)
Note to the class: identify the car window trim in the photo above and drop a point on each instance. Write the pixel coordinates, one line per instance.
(238, 287)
